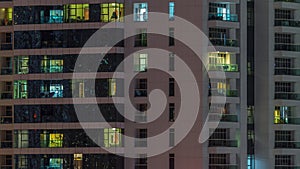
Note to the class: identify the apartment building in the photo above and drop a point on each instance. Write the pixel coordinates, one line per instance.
(277, 84)
(39, 45)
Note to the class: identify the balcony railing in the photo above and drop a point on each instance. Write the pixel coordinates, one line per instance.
(223, 17)
(287, 96)
(295, 1)
(6, 71)
(287, 144)
(223, 67)
(290, 23)
(221, 92)
(223, 117)
(287, 167)
(222, 143)
(140, 92)
(223, 166)
(287, 47)
(288, 120)
(224, 42)
(287, 71)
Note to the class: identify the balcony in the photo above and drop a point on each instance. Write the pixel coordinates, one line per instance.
(294, 1)
(287, 144)
(287, 96)
(224, 42)
(223, 17)
(222, 92)
(287, 71)
(223, 67)
(289, 23)
(140, 92)
(222, 143)
(287, 47)
(222, 166)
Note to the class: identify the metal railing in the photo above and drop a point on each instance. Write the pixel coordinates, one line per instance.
(287, 96)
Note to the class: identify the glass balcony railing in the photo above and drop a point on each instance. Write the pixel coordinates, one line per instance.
(223, 17)
(287, 167)
(287, 96)
(287, 144)
(295, 1)
(287, 71)
(223, 117)
(222, 143)
(287, 120)
(222, 92)
(290, 23)
(223, 67)
(223, 166)
(287, 47)
(224, 42)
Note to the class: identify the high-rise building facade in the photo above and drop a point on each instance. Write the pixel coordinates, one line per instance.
(40, 42)
(277, 83)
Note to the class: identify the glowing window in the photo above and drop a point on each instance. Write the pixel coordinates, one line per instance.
(56, 140)
(21, 64)
(76, 12)
(112, 12)
(112, 137)
(112, 87)
(140, 11)
(52, 66)
(171, 10)
(20, 89)
(56, 16)
(140, 62)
